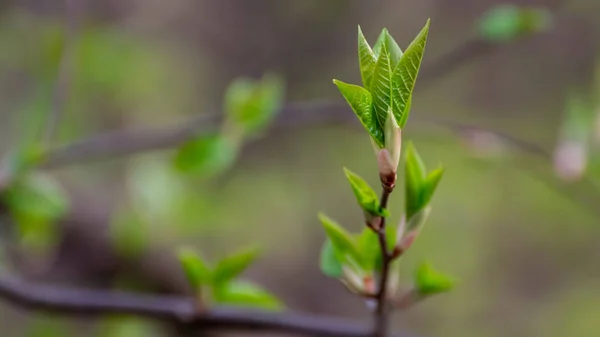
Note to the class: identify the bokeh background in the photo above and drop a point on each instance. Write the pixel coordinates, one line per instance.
(515, 218)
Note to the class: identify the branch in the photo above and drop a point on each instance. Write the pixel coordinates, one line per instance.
(122, 143)
(171, 309)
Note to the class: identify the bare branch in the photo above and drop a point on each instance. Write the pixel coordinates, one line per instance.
(171, 309)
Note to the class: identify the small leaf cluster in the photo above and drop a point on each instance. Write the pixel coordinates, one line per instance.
(250, 105)
(357, 259)
(219, 284)
(388, 75)
(506, 22)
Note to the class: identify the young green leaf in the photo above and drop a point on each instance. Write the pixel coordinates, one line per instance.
(431, 183)
(36, 196)
(246, 294)
(252, 104)
(415, 180)
(360, 101)
(366, 60)
(206, 155)
(405, 75)
(381, 87)
(368, 245)
(385, 39)
(233, 265)
(429, 281)
(329, 263)
(196, 269)
(366, 197)
(342, 242)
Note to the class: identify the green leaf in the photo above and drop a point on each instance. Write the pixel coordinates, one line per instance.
(232, 266)
(246, 294)
(36, 197)
(429, 281)
(417, 221)
(253, 104)
(366, 197)
(329, 263)
(360, 101)
(368, 245)
(342, 242)
(196, 269)
(207, 155)
(415, 180)
(506, 22)
(385, 39)
(381, 87)
(405, 75)
(431, 183)
(366, 60)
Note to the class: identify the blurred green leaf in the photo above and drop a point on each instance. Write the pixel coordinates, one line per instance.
(385, 39)
(415, 177)
(207, 155)
(246, 294)
(43, 326)
(253, 104)
(342, 241)
(233, 265)
(196, 269)
(429, 281)
(35, 202)
(360, 101)
(405, 75)
(329, 263)
(381, 87)
(366, 197)
(126, 326)
(366, 60)
(506, 22)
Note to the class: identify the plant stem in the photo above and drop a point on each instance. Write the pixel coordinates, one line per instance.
(381, 317)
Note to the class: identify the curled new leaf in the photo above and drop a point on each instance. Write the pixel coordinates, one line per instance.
(366, 60)
(385, 39)
(429, 281)
(366, 197)
(245, 294)
(381, 87)
(360, 101)
(196, 269)
(415, 178)
(233, 265)
(405, 74)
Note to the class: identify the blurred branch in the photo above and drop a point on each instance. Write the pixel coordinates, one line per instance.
(121, 143)
(171, 309)
(61, 86)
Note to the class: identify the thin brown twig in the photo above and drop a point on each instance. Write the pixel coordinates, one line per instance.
(171, 309)
(381, 316)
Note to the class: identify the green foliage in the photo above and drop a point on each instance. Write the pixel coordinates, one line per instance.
(233, 265)
(389, 76)
(206, 155)
(505, 22)
(405, 76)
(429, 281)
(420, 186)
(251, 105)
(365, 196)
(196, 269)
(342, 242)
(245, 294)
(35, 201)
(222, 279)
(329, 263)
(127, 326)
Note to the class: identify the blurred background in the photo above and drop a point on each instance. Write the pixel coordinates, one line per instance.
(507, 103)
